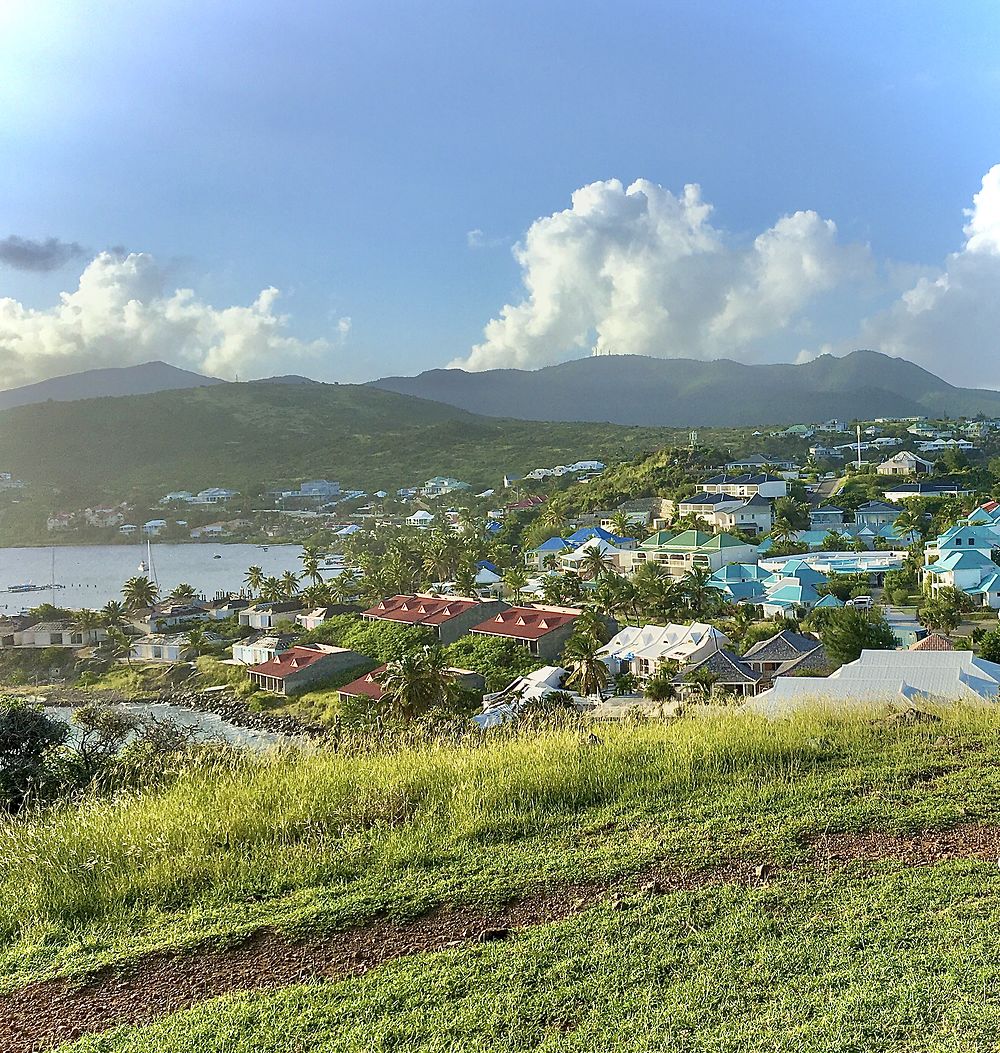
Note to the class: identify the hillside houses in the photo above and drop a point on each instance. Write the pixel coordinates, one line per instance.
(542, 631)
(753, 515)
(679, 554)
(905, 463)
(746, 484)
(449, 618)
(640, 650)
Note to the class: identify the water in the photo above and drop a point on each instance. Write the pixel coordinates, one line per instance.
(94, 574)
(205, 725)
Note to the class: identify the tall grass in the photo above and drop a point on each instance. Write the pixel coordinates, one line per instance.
(434, 817)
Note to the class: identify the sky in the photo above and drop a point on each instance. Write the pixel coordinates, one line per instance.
(354, 190)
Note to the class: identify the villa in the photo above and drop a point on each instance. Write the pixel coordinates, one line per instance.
(679, 554)
(449, 618)
(639, 650)
(542, 631)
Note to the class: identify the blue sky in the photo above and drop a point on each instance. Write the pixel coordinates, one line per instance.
(342, 153)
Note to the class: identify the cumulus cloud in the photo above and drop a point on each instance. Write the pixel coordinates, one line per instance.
(23, 254)
(949, 321)
(639, 270)
(122, 313)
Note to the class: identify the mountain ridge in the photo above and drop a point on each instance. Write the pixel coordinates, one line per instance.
(658, 392)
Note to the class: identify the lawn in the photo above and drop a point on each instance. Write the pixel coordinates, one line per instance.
(895, 960)
(306, 841)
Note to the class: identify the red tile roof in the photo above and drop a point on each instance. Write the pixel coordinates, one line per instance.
(367, 685)
(289, 662)
(532, 501)
(989, 506)
(420, 610)
(527, 623)
(933, 642)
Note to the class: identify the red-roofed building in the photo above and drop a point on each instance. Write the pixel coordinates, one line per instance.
(449, 617)
(933, 642)
(531, 501)
(293, 671)
(370, 685)
(540, 630)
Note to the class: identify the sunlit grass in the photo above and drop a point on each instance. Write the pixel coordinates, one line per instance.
(324, 839)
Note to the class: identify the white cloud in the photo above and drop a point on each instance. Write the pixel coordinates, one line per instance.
(122, 314)
(642, 271)
(949, 321)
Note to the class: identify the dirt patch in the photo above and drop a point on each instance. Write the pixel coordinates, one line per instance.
(918, 849)
(45, 1014)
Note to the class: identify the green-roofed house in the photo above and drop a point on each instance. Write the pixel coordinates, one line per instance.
(679, 553)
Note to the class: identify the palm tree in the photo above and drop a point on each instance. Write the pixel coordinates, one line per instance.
(114, 614)
(586, 670)
(139, 592)
(310, 564)
(593, 626)
(417, 682)
(465, 581)
(86, 620)
(554, 512)
(909, 522)
(197, 640)
(782, 530)
(254, 579)
(514, 581)
(289, 584)
(345, 587)
(621, 525)
(700, 596)
(271, 590)
(116, 647)
(595, 563)
(182, 593)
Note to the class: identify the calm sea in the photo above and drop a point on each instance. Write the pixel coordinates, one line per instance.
(94, 574)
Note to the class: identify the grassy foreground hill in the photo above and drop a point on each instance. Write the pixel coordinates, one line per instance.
(246, 434)
(722, 884)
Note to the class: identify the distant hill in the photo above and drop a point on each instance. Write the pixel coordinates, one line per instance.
(629, 389)
(146, 379)
(245, 435)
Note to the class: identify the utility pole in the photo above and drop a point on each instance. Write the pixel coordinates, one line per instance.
(859, 447)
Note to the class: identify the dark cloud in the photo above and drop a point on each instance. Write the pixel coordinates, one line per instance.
(24, 254)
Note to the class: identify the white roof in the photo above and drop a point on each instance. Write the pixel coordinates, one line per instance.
(888, 677)
(658, 642)
(502, 705)
(595, 542)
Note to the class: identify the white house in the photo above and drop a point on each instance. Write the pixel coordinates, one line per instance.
(905, 463)
(154, 527)
(162, 647)
(902, 679)
(267, 615)
(421, 519)
(639, 650)
(58, 634)
(748, 484)
(261, 649)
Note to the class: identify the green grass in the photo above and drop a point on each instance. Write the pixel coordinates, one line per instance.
(320, 840)
(906, 960)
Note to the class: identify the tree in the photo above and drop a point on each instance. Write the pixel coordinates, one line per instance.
(86, 620)
(909, 522)
(254, 579)
(596, 563)
(465, 581)
(989, 646)
(514, 581)
(699, 595)
(660, 687)
(271, 590)
(289, 584)
(197, 640)
(795, 513)
(587, 673)
(182, 593)
(621, 525)
(783, 531)
(27, 738)
(940, 614)
(310, 557)
(114, 614)
(139, 592)
(417, 683)
(851, 630)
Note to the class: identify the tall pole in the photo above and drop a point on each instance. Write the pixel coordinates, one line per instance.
(859, 447)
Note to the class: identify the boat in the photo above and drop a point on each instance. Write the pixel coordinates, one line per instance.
(217, 556)
(143, 567)
(25, 586)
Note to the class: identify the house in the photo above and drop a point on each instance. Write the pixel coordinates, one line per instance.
(448, 617)
(154, 527)
(128, 529)
(826, 517)
(267, 614)
(575, 561)
(293, 671)
(213, 495)
(58, 634)
(542, 631)
(758, 463)
(12, 625)
(226, 607)
(163, 647)
(318, 615)
(369, 686)
(748, 484)
(902, 679)
(905, 463)
(548, 552)
(531, 689)
(933, 642)
(261, 648)
(177, 497)
(639, 650)
(740, 582)
(60, 521)
(904, 491)
(586, 466)
(421, 519)
(962, 558)
(720, 673)
(786, 652)
(588, 533)
(876, 514)
(169, 615)
(678, 554)
(753, 515)
(443, 484)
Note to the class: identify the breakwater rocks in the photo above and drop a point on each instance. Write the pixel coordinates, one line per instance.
(235, 711)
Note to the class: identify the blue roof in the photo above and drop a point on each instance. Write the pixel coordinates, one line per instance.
(485, 564)
(578, 537)
(554, 544)
(739, 572)
(829, 600)
(739, 590)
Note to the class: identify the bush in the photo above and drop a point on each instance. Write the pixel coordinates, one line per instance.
(499, 661)
(849, 631)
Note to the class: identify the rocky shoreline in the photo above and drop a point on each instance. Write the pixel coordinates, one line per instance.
(222, 704)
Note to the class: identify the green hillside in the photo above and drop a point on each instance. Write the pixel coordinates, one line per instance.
(725, 884)
(245, 435)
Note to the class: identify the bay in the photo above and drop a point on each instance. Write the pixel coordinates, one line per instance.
(94, 574)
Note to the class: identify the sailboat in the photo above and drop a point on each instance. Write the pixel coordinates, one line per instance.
(146, 565)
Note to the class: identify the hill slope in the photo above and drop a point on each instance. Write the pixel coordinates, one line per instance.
(244, 435)
(630, 389)
(148, 378)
